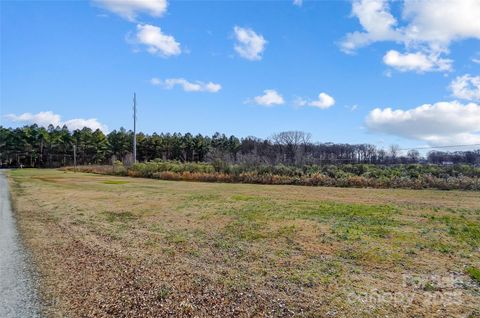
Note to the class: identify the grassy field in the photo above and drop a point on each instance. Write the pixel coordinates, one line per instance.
(130, 247)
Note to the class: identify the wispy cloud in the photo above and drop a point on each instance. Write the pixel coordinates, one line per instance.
(130, 9)
(249, 44)
(466, 87)
(298, 3)
(47, 118)
(351, 108)
(187, 86)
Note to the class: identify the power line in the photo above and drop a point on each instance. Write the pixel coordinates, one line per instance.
(403, 149)
(437, 147)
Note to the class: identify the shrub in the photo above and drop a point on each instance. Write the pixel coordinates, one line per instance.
(411, 176)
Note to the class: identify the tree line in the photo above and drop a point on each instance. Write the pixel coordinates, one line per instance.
(36, 146)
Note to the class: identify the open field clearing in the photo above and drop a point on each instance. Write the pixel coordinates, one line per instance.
(130, 247)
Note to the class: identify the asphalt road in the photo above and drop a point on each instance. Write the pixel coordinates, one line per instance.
(18, 297)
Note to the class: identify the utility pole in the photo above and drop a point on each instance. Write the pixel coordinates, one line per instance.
(134, 128)
(74, 158)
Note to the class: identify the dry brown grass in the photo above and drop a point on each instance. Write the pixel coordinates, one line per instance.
(129, 247)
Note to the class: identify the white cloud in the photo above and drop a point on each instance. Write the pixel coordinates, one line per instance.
(427, 26)
(418, 62)
(442, 123)
(46, 118)
(41, 118)
(440, 22)
(324, 101)
(466, 87)
(432, 23)
(129, 9)
(298, 2)
(377, 21)
(79, 123)
(249, 45)
(187, 86)
(270, 97)
(156, 41)
(156, 81)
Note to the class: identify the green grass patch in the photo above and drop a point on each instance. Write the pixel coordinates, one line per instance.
(462, 229)
(314, 272)
(242, 197)
(124, 216)
(245, 230)
(204, 197)
(474, 273)
(114, 182)
(349, 221)
(176, 237)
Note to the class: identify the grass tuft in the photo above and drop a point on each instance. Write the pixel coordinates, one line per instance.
(474, 273)
(163, 292)
(119, 216)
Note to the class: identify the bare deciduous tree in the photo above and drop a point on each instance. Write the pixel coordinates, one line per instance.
(292, 143)
(413, 155)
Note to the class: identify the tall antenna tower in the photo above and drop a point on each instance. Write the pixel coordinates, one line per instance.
(134, 128)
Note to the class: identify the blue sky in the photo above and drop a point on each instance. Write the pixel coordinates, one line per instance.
(266, 62)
